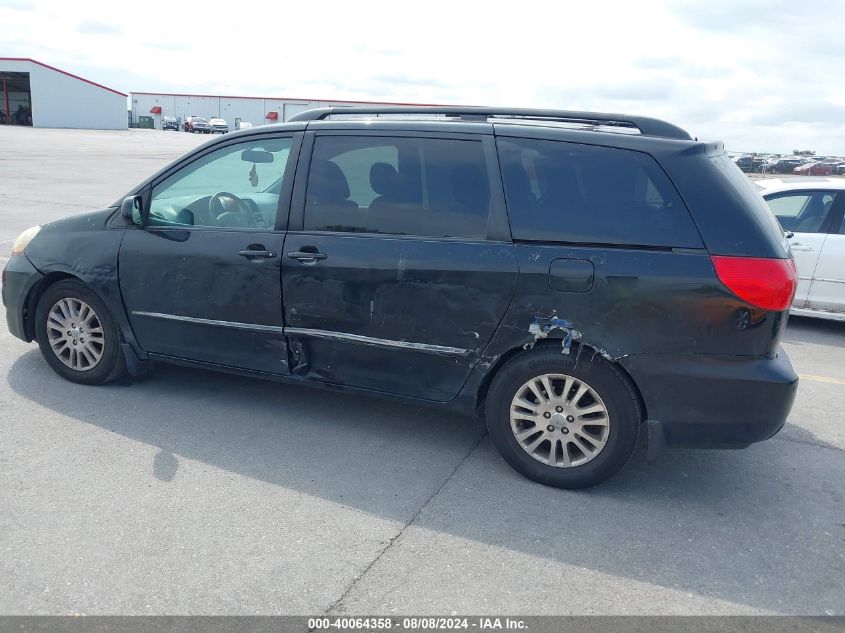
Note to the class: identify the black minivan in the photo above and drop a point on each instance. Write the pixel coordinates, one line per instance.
(579, 279)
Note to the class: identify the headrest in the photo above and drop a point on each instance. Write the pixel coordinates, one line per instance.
(328, 181)
(384, 179)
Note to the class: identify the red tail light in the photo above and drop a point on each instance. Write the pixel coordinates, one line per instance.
(765, 283)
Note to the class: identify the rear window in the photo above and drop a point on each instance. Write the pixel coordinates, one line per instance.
(558, 191)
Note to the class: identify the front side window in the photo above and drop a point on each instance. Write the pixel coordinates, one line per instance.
(398, 185)
(237, 186)
(801, 212)
(558, 191)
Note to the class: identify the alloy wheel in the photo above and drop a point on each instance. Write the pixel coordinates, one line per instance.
(559, 420)
(75, 334)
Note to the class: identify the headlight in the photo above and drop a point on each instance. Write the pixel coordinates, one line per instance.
(24, 239)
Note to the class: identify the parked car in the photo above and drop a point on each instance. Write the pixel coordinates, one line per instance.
(784, 165)
(812, 210)
(169, 123)
(570, 285)
(814, 169)
(244, 125)
(218, 125)
(840, 169)
(197, 124)
(749, 164)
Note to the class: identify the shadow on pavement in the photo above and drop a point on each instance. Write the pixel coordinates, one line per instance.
(818, 331)
(761, 527)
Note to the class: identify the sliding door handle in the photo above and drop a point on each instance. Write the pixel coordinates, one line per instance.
(306, 257)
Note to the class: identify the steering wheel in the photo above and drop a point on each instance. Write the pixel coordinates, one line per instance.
(229, 210)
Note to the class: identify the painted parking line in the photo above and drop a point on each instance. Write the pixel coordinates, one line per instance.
(832, 381)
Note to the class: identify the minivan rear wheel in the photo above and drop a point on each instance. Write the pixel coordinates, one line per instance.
(78, 335)
(569, 421)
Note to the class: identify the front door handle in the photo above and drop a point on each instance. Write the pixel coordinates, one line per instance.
(798, 246)
(306, 257)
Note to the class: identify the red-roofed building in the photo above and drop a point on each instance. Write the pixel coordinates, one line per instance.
(34, 93)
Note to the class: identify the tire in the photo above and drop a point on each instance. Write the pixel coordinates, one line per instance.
(103, 359)
(612, 437)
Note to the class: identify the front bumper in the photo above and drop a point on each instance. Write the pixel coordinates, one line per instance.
(19, 277)
(715, 401)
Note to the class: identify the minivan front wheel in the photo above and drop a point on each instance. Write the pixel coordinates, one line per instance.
(77, 334)
(569, 421)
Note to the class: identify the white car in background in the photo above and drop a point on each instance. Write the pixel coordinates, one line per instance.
(812, 211)
(218, 125)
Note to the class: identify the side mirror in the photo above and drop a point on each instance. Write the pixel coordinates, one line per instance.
(131, 209)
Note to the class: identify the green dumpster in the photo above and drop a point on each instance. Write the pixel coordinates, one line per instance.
(146, 122)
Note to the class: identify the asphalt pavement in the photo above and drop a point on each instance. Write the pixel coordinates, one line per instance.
(191, 492)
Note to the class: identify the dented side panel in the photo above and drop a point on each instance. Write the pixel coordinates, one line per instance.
(190, 294)
(82, 247)
(409, 316)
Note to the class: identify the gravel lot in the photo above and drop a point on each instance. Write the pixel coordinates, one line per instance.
(192, 492)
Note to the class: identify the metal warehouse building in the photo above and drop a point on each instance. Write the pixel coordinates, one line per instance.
(36, 94)
(255, 110)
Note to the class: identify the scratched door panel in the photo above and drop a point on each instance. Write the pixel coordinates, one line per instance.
(190, 294)
(420, 311)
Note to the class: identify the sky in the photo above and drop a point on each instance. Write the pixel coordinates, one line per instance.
(760, 76)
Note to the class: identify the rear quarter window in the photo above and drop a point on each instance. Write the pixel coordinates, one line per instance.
(560, 191)
(748, 196)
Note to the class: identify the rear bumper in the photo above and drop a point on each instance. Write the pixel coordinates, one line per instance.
(19, 277)
(715, 401)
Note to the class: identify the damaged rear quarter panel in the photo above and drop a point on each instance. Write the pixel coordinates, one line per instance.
(642, 301)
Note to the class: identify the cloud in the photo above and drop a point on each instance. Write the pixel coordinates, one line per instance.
(169, 46)
(411, 80)
(96, 27)
(806, 111)
(646, 90)
(749, 15)
(759, 74)
(17, 5)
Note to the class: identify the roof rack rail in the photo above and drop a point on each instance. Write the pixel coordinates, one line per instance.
(646, 125)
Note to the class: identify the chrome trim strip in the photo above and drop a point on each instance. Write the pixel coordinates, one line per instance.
(255, 327)
(379, 342)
